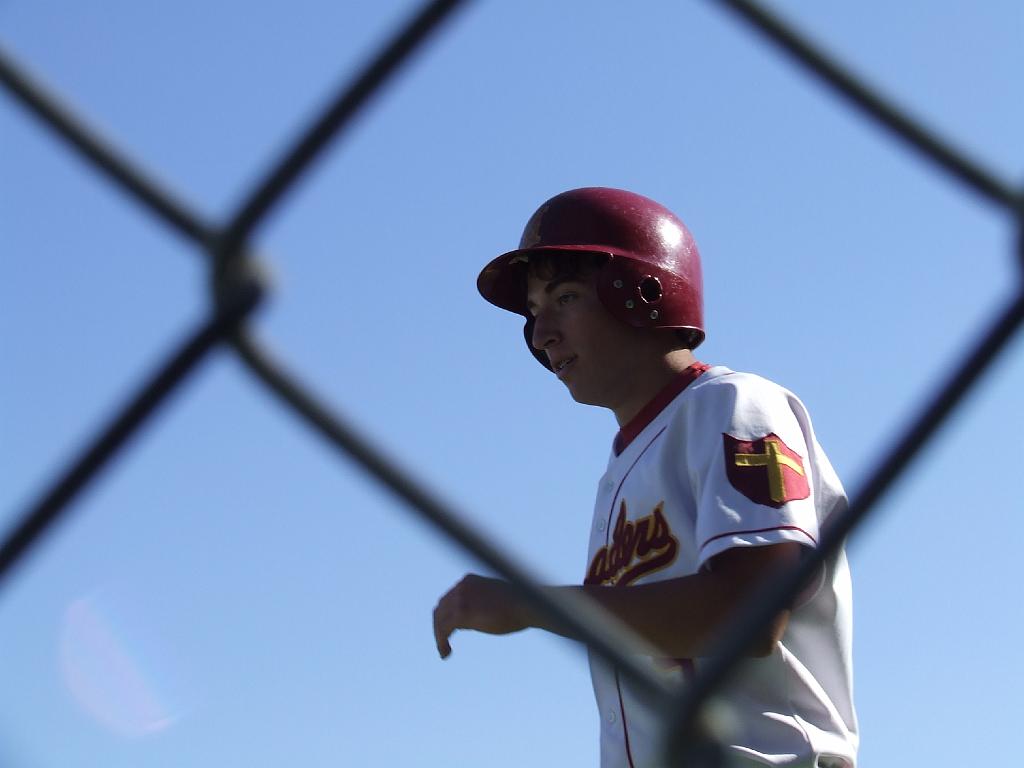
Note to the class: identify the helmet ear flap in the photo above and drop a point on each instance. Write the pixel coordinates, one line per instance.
(541, 356)
(648, 295)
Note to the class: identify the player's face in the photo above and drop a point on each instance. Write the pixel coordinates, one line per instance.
(589, 350)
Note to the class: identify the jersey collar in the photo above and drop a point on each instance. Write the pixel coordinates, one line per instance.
(655, 406)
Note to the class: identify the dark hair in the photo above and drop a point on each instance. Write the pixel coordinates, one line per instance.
(690, 338)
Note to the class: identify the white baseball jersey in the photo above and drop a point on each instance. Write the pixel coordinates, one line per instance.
(721, 459)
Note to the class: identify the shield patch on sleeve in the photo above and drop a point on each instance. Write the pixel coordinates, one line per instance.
(766, 471)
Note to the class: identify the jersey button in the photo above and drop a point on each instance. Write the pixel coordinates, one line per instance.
(611, 716)
(609, 485)
(600, 524)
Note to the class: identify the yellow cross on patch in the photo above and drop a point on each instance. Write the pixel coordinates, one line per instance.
(774, 460)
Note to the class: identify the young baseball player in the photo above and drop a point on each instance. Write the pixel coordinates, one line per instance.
(715, 480)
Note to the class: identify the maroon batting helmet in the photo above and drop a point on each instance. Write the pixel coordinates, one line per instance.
(651, 279)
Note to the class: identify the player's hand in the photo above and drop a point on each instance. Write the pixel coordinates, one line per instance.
(480, 603)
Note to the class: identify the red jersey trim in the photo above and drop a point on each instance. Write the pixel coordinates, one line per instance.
(611, 509)
(625, 726)
(655, 406)
(622, 440)
(761, 530)
(607, 533)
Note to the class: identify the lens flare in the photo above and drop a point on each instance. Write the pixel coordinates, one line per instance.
(108, 665)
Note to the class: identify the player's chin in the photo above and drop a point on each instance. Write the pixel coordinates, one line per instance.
(582, 387)
(582, 394)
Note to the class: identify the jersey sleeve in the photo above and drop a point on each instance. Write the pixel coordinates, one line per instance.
(750, 468)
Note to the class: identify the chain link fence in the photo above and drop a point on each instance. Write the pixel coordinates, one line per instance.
(237, 289)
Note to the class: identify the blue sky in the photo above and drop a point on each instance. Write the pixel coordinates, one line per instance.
(232, 592)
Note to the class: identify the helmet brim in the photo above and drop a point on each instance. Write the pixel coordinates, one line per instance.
(503, 281)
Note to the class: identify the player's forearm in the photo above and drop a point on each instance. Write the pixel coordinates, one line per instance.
(674, 616)
(679, 617)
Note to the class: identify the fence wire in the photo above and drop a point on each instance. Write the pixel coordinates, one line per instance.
(237, 291)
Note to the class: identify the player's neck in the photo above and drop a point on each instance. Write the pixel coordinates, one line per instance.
(648, 380)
